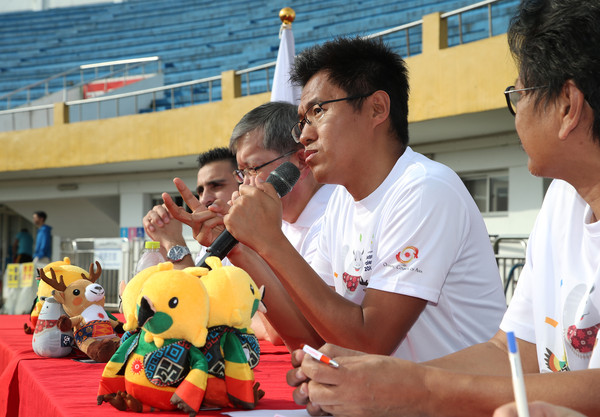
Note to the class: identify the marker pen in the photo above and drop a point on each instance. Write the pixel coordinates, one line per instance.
(517, 376)
(320, 356)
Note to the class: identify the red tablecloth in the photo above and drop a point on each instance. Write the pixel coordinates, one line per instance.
(34, 386)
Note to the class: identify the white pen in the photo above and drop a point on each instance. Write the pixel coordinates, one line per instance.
(314, 353)
(517, 376)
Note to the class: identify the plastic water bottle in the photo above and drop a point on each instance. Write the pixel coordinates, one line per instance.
(150, 256)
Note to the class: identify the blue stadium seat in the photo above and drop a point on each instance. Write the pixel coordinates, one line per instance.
(201, 38)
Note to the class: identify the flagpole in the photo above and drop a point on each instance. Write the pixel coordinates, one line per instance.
(283, 90)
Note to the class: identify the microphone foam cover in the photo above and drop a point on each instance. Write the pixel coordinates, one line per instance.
(284, 177)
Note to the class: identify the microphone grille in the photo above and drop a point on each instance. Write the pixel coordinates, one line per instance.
(284, 177)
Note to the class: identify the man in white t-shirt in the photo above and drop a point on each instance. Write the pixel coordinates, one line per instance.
(555, 312)
(384, 242)
(402, 241)
(261, 142)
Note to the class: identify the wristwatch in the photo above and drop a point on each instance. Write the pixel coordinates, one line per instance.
(177, 253)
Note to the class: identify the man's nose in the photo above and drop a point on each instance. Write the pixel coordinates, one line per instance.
(308, 135)
(206, 199)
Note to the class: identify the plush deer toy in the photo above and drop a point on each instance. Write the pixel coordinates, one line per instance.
(83, 301)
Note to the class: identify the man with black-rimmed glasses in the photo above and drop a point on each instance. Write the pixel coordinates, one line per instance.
(402, 241)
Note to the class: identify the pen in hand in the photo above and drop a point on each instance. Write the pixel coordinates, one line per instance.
(517, 376)
(314, 353)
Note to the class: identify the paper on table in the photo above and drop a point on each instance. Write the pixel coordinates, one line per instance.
(268, 413)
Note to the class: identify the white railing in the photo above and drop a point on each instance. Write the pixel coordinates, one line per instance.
(114, 69)
(156, 93)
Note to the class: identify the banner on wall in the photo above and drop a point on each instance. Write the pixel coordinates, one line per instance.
(19, 288)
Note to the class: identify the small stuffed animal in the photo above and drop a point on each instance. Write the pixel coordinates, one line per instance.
(160, 366)
(70, 273)
(48, 340)
(231, 349)
(83, 301)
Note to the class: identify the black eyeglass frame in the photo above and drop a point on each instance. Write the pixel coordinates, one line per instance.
(512, 103)
(300, 125)
(241, 173)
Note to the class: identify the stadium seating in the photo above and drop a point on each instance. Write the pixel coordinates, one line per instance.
(202, 38)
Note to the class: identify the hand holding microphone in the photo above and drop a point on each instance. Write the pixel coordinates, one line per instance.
(283, 179)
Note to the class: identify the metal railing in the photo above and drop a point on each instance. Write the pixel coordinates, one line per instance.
(114, 69)
(245, 75)
(459, 13)
(117, 257)
(510, 254)
(249, 76)
(154, 92)
(406, 27)
(46, 109)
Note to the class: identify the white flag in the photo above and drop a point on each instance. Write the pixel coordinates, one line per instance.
(283, 90)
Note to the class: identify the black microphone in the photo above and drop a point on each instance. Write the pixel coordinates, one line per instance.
(282, 179)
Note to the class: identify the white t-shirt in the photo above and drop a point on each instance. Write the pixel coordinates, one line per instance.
(418, 234)
(304, 232)
(556, 304)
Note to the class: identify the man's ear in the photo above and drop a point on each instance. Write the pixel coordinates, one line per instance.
(380, 106)
(571, 105)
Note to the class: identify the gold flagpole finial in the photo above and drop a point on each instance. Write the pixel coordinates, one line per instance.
(287, 15)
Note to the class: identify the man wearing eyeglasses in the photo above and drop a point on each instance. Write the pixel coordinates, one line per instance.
(261, 142)
(402, 241)
(555, 310)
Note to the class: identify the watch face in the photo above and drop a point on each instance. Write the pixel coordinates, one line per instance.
(176, 253)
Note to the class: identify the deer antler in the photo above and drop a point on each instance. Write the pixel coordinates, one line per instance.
(53, 282)
(94, 275)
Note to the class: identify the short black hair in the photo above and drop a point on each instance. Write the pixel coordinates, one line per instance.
(554, 41)
(360, 66)
(41, 214)
(217, 154)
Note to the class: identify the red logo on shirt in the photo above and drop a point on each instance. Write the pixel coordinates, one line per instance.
(407, 254)
(351, 281)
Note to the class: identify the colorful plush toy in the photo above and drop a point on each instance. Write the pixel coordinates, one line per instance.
(48, 340)
(159, 365)
(83, 301)
(231, 349)
(70, 273)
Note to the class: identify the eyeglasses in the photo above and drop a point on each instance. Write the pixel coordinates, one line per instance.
(315, 114)
(513, 99)
(241, 173)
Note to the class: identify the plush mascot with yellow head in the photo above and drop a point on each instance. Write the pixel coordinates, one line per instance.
(231, 349)
(159, 365)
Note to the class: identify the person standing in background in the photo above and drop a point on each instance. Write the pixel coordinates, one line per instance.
(23, 247)
(43, 240)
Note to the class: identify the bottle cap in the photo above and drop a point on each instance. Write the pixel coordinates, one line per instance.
(150, 244)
